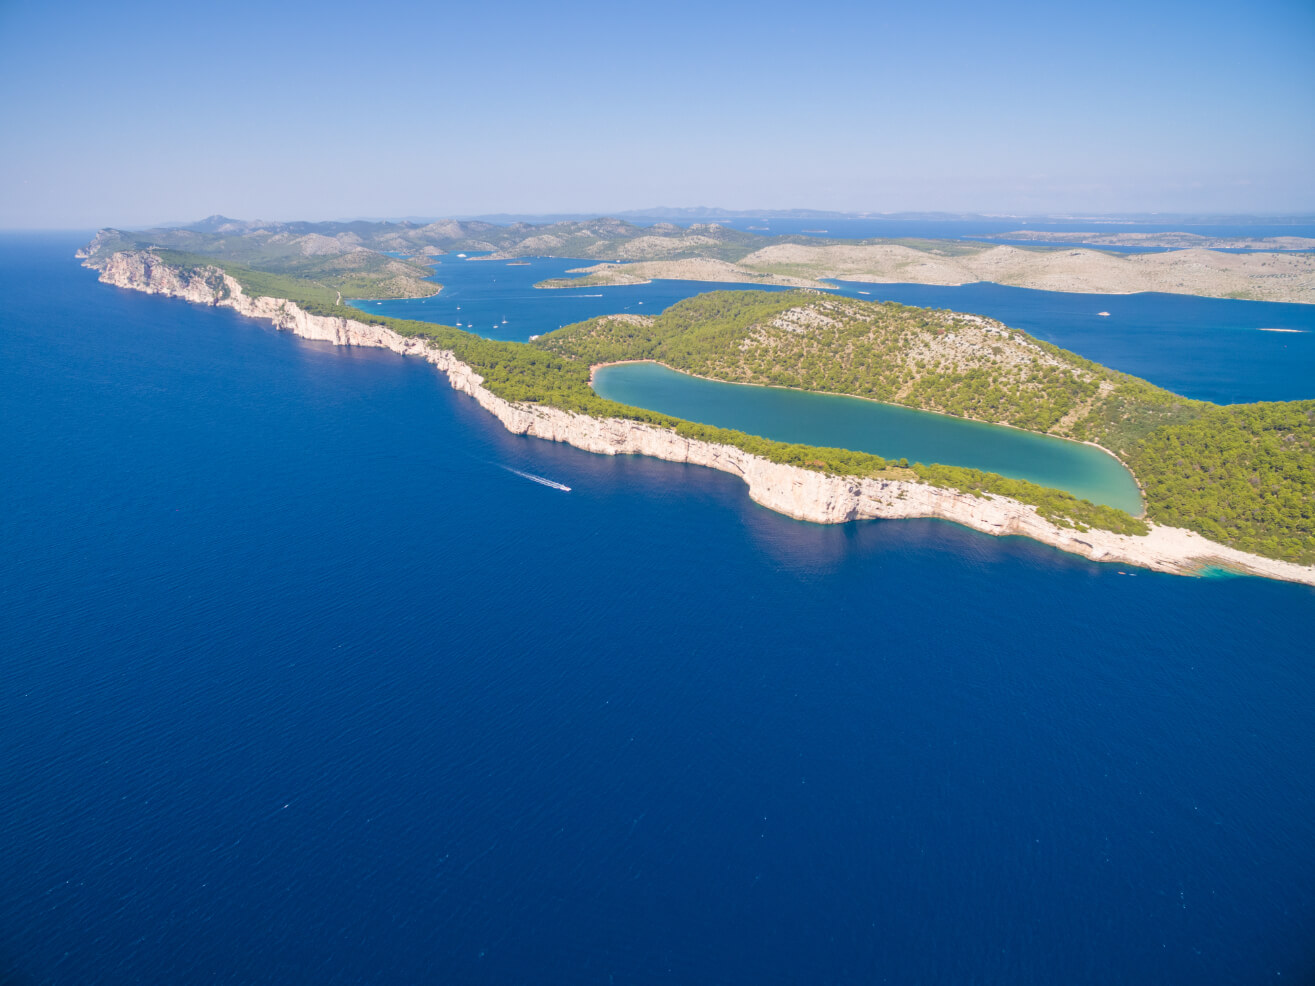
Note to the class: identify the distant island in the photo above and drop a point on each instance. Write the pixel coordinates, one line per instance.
(1171, 241)
(1230, 486)
(1286, 277)
(387, 260)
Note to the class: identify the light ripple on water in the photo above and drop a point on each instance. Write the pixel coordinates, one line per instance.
(847, 745)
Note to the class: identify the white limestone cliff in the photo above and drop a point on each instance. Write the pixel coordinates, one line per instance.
(800, 493)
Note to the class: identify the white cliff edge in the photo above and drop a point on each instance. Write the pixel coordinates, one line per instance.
(799, 493)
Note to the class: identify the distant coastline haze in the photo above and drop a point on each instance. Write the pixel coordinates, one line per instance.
(164, 113)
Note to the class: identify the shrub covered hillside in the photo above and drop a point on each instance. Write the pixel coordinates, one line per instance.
(1242, 475)
(959, 364)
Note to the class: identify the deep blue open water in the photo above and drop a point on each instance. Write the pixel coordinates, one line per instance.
(299, 684)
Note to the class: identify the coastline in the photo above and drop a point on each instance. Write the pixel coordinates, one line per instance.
(799, 493)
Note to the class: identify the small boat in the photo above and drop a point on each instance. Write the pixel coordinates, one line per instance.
(1103, 314)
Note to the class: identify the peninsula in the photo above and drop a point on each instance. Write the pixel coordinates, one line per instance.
(1225, 487)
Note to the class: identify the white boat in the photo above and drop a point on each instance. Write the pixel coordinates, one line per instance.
(1103, 314)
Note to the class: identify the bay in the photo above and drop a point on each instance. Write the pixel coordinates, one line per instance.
(498, 300)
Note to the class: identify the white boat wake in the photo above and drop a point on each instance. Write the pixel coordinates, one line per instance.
(539, 479)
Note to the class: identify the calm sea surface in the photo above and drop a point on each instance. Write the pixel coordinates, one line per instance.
(498, 299)
(1212, 349)
(856, 228)
(867, 426)
(301, 683)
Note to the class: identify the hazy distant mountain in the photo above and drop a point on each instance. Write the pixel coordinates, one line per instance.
(705, 212)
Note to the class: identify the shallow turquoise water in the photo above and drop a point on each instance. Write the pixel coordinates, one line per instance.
(867, 426)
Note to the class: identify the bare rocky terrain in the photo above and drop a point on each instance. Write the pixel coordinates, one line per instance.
(1252, 276)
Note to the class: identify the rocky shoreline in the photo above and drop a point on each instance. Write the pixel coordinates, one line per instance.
(800, 493)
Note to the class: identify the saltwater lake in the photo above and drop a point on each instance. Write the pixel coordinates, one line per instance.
(301, 684)
(867, 426)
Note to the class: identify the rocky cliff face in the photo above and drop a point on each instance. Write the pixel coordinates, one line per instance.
(800, 493)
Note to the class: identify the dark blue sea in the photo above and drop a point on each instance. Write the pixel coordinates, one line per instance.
(300, 683)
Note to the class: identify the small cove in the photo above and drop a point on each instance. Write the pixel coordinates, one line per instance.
(868, 426)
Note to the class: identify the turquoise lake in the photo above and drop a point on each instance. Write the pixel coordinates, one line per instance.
(868, 426)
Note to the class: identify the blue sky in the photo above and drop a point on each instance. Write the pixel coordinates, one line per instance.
(137, 113)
